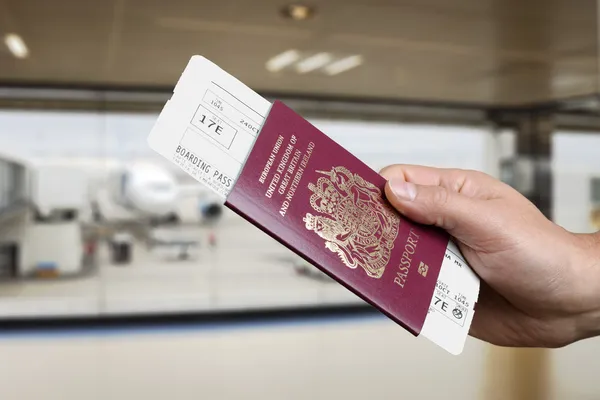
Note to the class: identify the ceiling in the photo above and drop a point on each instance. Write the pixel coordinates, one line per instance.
(492, 52)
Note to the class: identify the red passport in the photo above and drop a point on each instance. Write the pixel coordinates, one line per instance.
(324, 204)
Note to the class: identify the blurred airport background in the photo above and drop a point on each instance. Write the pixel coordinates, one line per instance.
(123, 278)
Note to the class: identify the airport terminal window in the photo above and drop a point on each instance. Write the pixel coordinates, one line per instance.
(153, 239)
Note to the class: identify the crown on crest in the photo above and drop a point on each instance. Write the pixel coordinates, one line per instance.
(310, 221)
(325, 197)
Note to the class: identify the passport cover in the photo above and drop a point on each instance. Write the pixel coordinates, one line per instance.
(320, 201)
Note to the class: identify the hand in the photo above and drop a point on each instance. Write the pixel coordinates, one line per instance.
(540, 283)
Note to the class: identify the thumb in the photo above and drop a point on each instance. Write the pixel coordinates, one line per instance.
(434, 205)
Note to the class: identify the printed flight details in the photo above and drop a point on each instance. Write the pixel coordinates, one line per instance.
(209, 126)
(452, 305)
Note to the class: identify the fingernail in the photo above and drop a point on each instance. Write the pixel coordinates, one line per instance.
(403, 190)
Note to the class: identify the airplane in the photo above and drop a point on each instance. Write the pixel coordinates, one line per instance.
(133, 200)
(150, 192)
(141, 192)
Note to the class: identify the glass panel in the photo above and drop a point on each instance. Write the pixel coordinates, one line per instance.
(116, 251)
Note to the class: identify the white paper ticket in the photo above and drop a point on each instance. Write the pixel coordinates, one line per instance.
(210, 124)
(452, 305)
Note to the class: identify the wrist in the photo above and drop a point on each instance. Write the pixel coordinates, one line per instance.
(586, 261)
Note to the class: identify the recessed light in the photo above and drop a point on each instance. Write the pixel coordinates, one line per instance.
(16, 45)
(344, 64)
(282, 60)
(313, 62)
(298, 12)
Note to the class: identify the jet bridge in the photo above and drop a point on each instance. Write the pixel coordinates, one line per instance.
(13, 186)
(40, 231)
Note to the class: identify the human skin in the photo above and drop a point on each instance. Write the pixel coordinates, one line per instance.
(540, 282)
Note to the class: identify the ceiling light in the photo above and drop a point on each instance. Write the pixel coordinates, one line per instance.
(16, 45)
(282, 60)
(313, 62)
(298, 12)
(343, 65)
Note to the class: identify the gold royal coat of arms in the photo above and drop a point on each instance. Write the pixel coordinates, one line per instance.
(357, 223)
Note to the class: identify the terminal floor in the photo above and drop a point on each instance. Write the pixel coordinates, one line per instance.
(366, 358)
